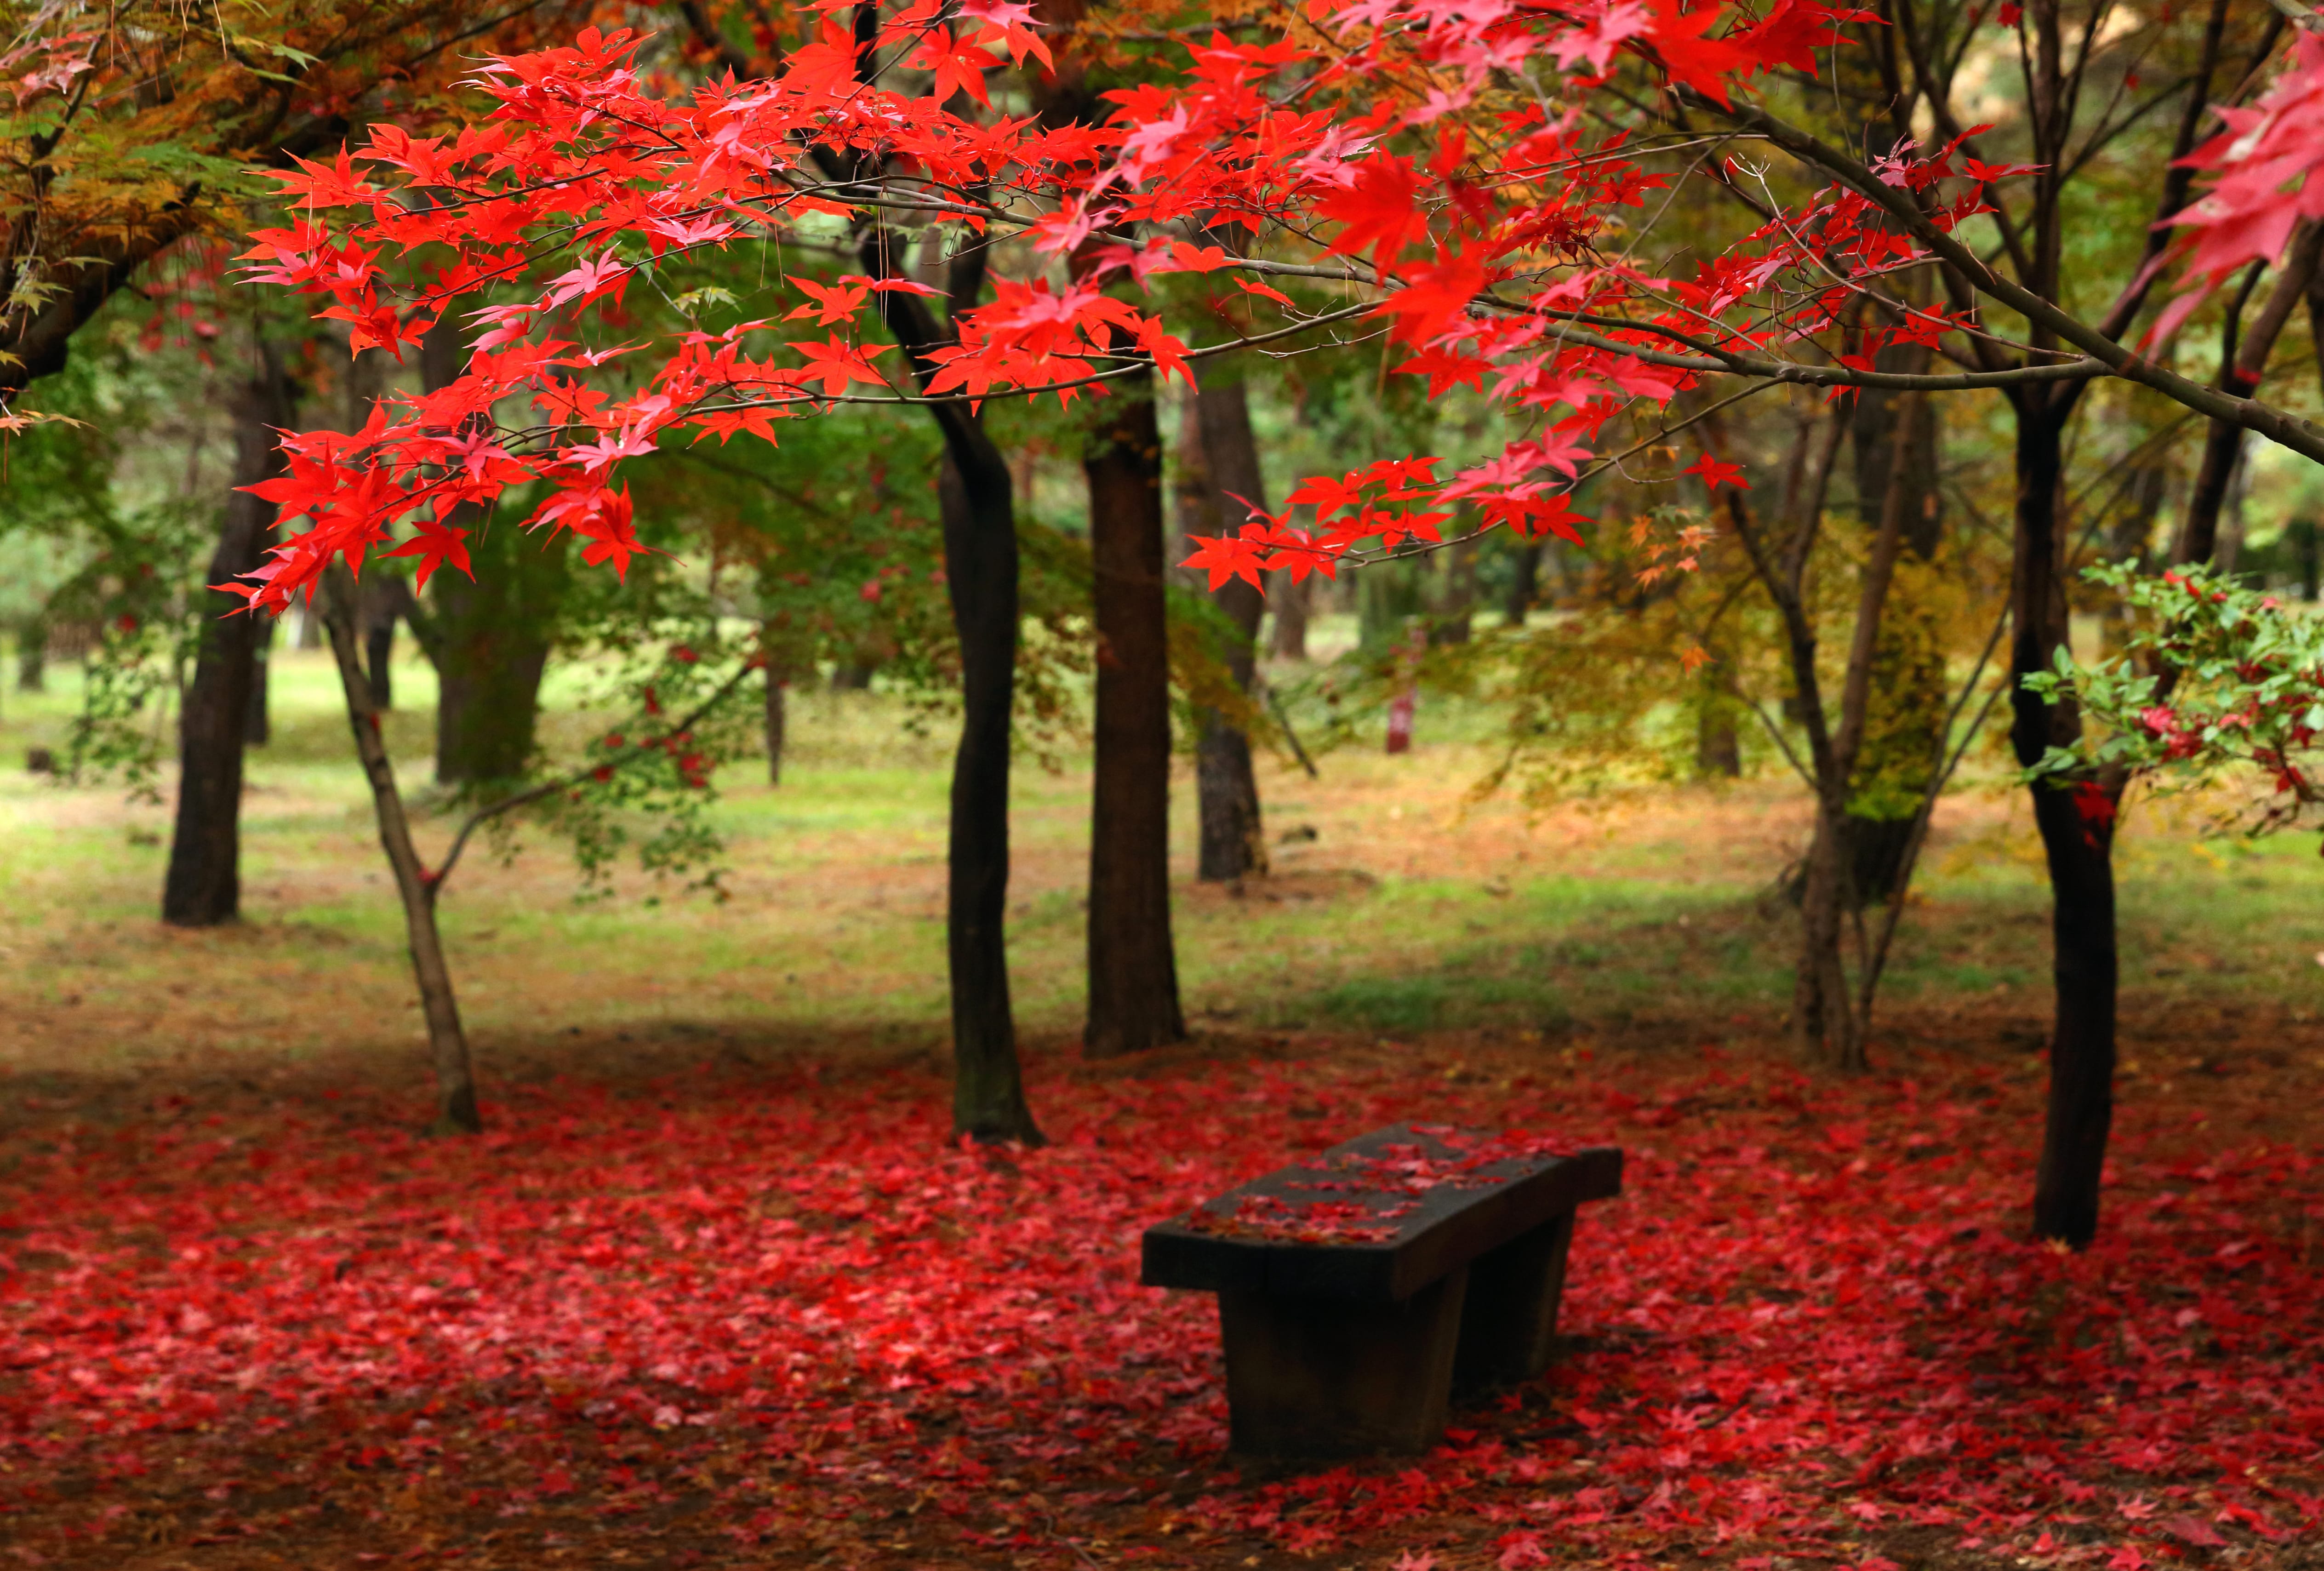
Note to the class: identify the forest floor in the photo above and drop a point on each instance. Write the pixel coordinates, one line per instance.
(713, 1291)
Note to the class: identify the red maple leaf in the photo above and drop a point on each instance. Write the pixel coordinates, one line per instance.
(1715, 473)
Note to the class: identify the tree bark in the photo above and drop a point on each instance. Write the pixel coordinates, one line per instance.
(777, 716)
(1718, 742)
(385, 596)
(203, 885)
(33, 654)
(1525, 584)
(490, 648)
(2077, 844)
(1219, 456)
(976, 498)
(1895, 441)
(489, 633)
(254, 728)
(1290, 602)
(980, 539)
(447, 1043)
(1133, 976)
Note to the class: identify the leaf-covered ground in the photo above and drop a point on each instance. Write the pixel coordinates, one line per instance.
(760, 1315)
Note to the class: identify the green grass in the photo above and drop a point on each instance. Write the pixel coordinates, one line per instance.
(1407, 913)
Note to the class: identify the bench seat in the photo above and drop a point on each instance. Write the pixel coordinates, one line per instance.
(1358, 1287)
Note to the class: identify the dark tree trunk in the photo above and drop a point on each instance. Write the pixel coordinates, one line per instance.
(1289, 601)
(1718, 740)
(2077, 842)
(980, 539)
(1133, 976)
(1224, 456)
(255, 730)
(203, 886)
(33, 654)
(490, 648)
(977, 500)
(1454, 605)
(778, 721)
(489, 633)
(1525, 584)
(384, 596)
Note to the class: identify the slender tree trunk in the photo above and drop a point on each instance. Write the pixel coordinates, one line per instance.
(386, 596)
(2077, 829)
(1220, 454)
(976, 498)
(203, 886)
(980, 540)
(1133, 977)
(777, 716)
(1830, 893)
(33, 654)
(1525, 584)
(254, 728)
(456, 1086)
(1718, 740)
(1453, 605)
(492, 650)
(1895, 441)
(1290, 602)
(490, 632)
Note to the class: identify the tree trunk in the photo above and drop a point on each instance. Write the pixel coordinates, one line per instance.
(777, 718)
(1823, 1020)
(1133, 976)
(1289, 602)
(203, 886)
(490, 648)
(456, 1086)
(255, 731)
(33, 654)
(1219, 457)
(1525, 584)
(2076, 831)
(1453, 604)
(1718, 738)
(489, 633)
(385, 596)
(1895, 441)
(980, 540)
(976, 499)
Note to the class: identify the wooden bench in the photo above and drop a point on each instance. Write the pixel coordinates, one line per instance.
(1358, 1287)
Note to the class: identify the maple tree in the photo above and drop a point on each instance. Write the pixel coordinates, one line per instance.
(1378, 148)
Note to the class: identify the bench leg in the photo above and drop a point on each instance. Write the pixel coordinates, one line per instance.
(1511, 1315)
(1320, 1377)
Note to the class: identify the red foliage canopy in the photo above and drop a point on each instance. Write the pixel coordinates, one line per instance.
(1358, 153)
